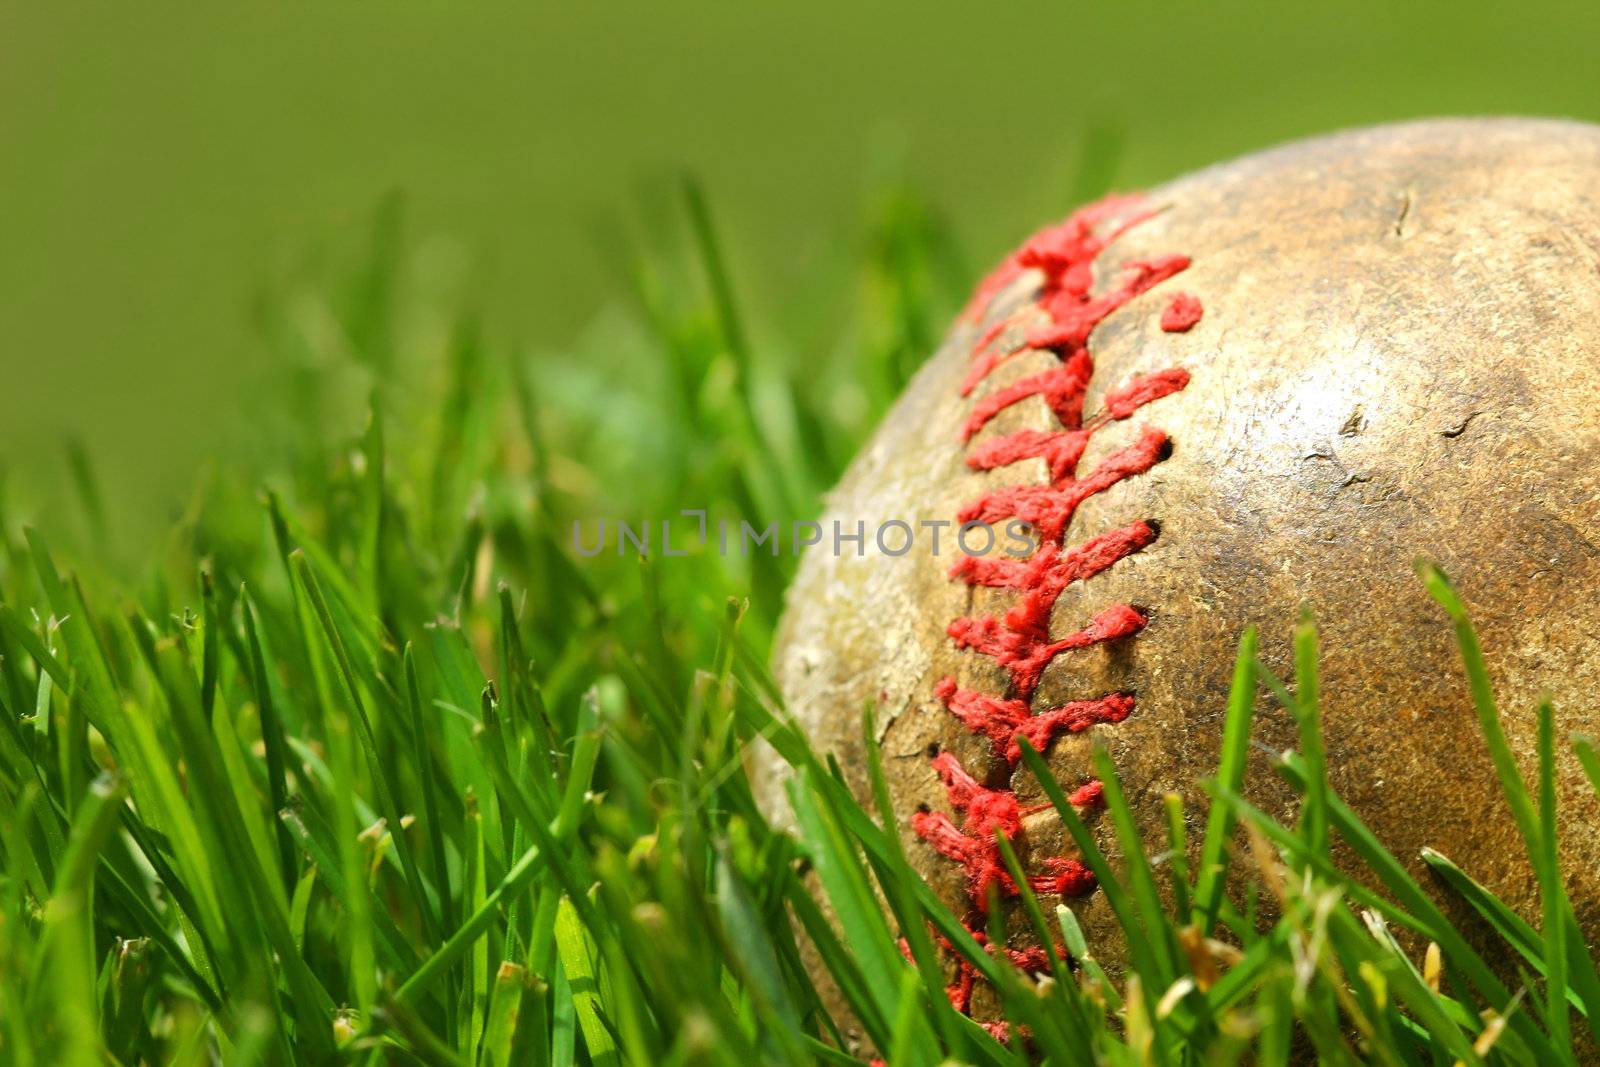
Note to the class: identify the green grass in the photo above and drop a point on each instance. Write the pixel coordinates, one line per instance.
(367, 767)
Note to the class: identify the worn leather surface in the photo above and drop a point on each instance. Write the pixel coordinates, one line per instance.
(1400, 356)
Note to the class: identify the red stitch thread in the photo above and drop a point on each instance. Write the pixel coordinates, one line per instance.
(1089, 795)
(1000, 1031)
(988, 813)
(1064, 314)
(1062, 243)
(1030, 960)
(1182, 314)
(1074, 314)
(1072, 311)
(1004, 721)
(1020, 642)
(1049, 508)
(1062, 449)
(1120, 403)
(1051, 569)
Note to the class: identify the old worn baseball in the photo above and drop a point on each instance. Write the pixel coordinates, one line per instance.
(1269, 385)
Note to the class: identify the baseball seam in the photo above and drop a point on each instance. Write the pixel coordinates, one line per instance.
(1019, 639)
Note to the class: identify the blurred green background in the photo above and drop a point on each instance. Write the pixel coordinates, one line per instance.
(162, 166)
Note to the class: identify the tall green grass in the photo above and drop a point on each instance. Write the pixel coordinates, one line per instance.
(369, 768)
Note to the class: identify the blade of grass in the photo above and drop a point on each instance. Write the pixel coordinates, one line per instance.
(1314, 811)
(576, 951)
(1552, 894)
(913, 927)
(1211, 876)
(274, 749)
(840, 873)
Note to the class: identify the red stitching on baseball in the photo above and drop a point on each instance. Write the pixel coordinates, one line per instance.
(1030, 960)
(987, 813)
(1182, 314)
(1004, 721)
(1061, 319)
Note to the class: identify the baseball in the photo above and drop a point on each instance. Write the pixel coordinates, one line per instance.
(1265, 387)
